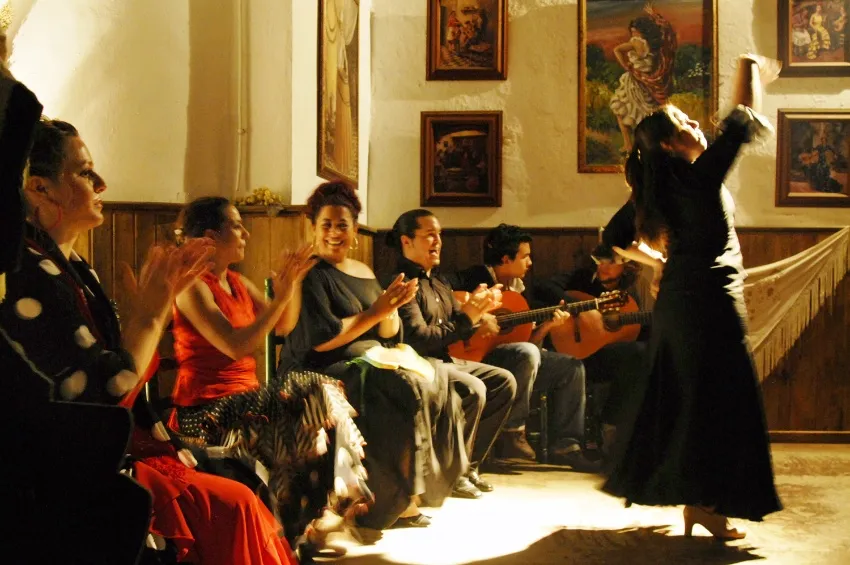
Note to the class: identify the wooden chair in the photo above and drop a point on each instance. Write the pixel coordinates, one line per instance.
(538, 432)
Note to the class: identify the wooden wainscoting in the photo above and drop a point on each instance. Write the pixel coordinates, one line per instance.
(808, 392)
(130, 229)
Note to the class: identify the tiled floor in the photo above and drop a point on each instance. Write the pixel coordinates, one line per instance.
(546, 515)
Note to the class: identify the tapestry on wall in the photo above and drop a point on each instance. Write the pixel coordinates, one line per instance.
(634, 57)
(783, 297)
(338, 63)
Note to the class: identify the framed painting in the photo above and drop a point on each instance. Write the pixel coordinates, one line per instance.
(338, 62)
(812, 38)
(467, 40)
(813, 158)
(461, 159)
(634, 57)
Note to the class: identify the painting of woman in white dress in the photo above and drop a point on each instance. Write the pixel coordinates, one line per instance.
(637, 56)
(338, 63)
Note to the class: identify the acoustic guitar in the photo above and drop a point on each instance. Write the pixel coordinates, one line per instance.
(515, 321)
(581, 336)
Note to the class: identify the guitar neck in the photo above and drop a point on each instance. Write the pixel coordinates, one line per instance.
(543, 314)
(642, 318)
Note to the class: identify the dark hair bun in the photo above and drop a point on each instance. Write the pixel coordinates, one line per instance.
(334, 193)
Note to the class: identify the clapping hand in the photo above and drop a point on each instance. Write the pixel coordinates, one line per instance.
(397, 294)
(482, 300)
(291, 269)
(166, 272)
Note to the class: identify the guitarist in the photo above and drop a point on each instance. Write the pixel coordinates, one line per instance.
(507, 258)
(621, 364)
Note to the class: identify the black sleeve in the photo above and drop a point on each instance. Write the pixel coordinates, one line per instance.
(320, 321)
(18, 116)
(621, 231)
(550, 292)
(431, 340)
(740, 126)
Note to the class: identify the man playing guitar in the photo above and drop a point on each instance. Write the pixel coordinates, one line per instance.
(622, 364)
(507, 257)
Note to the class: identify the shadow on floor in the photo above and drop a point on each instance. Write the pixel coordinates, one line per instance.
(632, 546)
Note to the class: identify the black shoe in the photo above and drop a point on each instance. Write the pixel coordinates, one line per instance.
(575, 460)
(465, 489)
(418, 521)
(478, 482)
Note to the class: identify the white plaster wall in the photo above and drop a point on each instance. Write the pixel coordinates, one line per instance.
(118, 70)
(270, 108)
(539, 180)
(305, 30)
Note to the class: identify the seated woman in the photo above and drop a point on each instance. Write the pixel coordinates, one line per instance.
(413, 426)
(62, 323)
(219, 321)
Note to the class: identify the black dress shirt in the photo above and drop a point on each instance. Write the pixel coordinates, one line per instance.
(433, 320)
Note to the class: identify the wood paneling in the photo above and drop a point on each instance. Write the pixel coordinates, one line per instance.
(809, 390)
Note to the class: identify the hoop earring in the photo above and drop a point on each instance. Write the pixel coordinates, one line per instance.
(356, 245)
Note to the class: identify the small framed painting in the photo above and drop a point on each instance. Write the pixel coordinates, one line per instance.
(461, 159)
(467, 40)
(813, 158)
(813, 38)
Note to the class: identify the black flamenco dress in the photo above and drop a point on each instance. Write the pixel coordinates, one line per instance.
(699, 435)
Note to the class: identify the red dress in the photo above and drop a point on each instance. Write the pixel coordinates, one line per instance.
(204, 373)
(58, 314)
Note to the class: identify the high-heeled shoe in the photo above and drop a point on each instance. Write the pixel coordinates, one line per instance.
(716, 524)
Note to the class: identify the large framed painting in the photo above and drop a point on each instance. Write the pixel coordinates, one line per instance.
(813, 158)
(461, 159)
(467, 40)
(813, 38)
(338, 63)
(634, 57)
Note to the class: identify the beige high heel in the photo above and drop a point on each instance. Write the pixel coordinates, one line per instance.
(716, 524)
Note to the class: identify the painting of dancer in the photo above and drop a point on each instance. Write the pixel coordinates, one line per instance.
(813, 37)
(635, 57)
(813, 158)
(467, 39)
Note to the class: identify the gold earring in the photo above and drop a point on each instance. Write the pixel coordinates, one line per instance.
(356, 245)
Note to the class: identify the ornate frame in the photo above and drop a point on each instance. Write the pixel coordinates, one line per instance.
(433, 70)
(785, 163)
(709, 38)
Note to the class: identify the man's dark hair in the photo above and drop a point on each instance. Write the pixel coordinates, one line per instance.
(503, 240)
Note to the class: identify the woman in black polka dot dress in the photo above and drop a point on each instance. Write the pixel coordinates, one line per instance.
(58, 319)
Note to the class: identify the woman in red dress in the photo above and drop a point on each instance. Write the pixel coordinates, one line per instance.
(219, 321)
(66, 329)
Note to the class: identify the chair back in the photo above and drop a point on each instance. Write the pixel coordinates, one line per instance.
(272, 339)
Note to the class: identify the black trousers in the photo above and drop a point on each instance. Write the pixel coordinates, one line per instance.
(487, 394)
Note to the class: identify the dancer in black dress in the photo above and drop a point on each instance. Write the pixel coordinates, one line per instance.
(700, 437)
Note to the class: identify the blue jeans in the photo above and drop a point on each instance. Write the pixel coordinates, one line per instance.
(560, 376)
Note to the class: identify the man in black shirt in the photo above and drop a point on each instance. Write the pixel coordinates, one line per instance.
(507, 257)
(434, 320)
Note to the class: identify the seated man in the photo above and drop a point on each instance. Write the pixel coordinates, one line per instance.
(622, 364)
(432, 321)
(507, 257)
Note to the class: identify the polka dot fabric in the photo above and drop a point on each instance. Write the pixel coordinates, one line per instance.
(56, 310)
